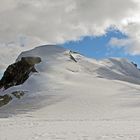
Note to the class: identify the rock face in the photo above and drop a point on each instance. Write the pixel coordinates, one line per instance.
(71, 57)
(134, 64)
(5, 99)
(19, 72)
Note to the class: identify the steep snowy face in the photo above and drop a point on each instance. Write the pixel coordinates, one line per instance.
(119, 69)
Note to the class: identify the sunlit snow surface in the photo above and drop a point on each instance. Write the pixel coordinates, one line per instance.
(87, 100)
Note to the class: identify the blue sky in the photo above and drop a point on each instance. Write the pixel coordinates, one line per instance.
(99, 48)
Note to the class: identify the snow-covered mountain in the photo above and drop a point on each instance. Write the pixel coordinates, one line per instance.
(73, 97)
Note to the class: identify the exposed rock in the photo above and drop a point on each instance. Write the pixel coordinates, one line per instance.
(5, 99)
(31, 60)
(19, 72)
(73, 52)
(72, 58)
(134, 64)
(18, 94)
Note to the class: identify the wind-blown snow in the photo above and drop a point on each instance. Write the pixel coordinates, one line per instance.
(66, 100)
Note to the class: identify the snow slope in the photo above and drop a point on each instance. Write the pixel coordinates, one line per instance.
(87, 100)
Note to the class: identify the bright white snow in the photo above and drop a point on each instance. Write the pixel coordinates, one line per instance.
(87, 100)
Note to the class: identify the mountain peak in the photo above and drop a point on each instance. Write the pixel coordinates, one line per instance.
(57, 65)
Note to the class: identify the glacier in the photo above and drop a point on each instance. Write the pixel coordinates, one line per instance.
(73, 97)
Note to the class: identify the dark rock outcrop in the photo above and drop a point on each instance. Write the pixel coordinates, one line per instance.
(134, 64)
(19, 72)
(5, 99)
(71, 57)
(18, 94)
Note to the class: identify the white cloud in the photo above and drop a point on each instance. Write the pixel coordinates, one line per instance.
(132, 43)
(115, 42)
(57, 21)
(34, 22)
(131, 46)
